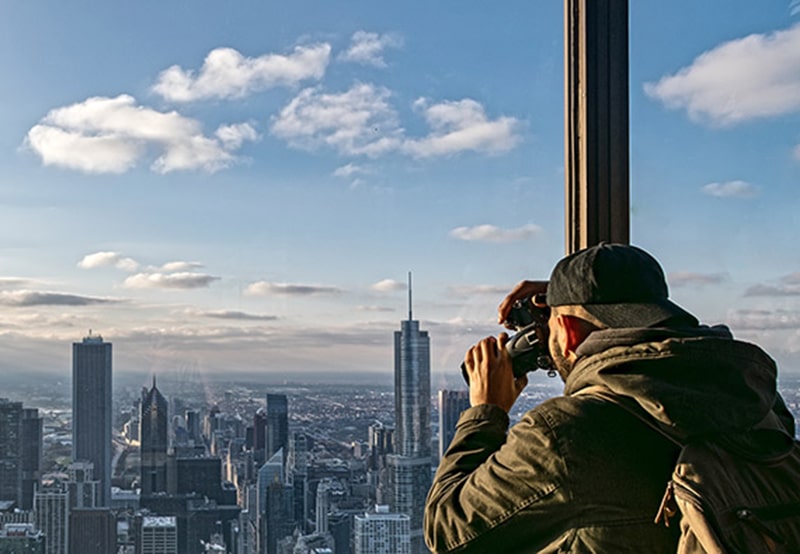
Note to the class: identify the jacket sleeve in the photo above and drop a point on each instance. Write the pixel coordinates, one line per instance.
(494, 493)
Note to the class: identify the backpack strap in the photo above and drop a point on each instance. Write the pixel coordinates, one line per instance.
(668, 507)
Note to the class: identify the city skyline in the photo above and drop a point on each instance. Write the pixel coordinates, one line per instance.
(244, 194)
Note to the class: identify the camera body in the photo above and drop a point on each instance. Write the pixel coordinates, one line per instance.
(527, 348)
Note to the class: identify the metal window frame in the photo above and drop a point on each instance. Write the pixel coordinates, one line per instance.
(596, 122)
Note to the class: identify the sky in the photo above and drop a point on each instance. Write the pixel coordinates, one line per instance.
(241, 188)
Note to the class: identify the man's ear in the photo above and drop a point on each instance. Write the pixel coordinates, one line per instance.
(575, 332)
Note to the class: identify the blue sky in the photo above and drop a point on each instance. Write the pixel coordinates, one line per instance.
(243, 187)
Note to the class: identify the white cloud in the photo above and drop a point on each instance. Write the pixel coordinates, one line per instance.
(367, 48)
(794, 7)
(797, 152)
(227, 74)
(106, 259)
(491, 233)
(181, 280)
(690, 278)
(748, 78)
(349, 170)
(265, 288)
(388, 285)
(462, 125)
(233, 136)
(111, 135)
(731, 189)
(359, 121)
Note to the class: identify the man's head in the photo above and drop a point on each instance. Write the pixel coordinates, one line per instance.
(608, 285)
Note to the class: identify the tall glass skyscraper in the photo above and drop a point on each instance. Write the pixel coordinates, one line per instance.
(91, 409)
(408, 471)
(153, 437)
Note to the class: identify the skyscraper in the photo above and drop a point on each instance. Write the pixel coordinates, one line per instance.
(157, 535)
(274, 517)
(91, 409)
(92, 530)
(451, 404)
(408, 471)
(51, 506)
(32, 427)
(277, 425)
(382, 532)
(412, 388)
(10, 450)
(153, 437)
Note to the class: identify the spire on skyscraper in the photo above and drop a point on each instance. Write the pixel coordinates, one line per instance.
(409, 297)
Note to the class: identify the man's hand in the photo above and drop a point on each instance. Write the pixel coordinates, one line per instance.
(524, 289)
(491, 380)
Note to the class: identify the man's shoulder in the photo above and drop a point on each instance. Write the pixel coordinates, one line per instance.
(585, 421)
(575, 409)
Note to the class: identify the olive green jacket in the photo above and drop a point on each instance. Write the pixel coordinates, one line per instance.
(581, 474)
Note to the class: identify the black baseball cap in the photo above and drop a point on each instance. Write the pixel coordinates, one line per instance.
(619, 284)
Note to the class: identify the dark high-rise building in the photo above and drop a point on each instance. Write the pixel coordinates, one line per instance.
(92, 530)
(277, 427)
(153, 440)
(31, 454)
(91, 409)
(408, 471)
(193, 425)
(451, 404)
(10, 450)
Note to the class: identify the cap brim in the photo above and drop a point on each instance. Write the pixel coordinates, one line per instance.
(639, 314)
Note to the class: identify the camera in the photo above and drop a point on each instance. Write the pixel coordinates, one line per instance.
(527, 348)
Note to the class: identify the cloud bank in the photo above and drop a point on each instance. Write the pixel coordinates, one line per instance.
(27, 298)
(265, 288)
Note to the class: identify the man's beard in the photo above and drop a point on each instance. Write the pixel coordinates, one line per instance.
(560, 363)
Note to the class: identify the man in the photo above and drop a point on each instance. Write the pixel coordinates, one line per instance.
(580, 473)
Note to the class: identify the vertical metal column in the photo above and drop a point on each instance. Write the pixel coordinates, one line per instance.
(596, 122)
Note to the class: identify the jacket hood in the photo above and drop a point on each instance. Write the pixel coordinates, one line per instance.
(693, 381)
